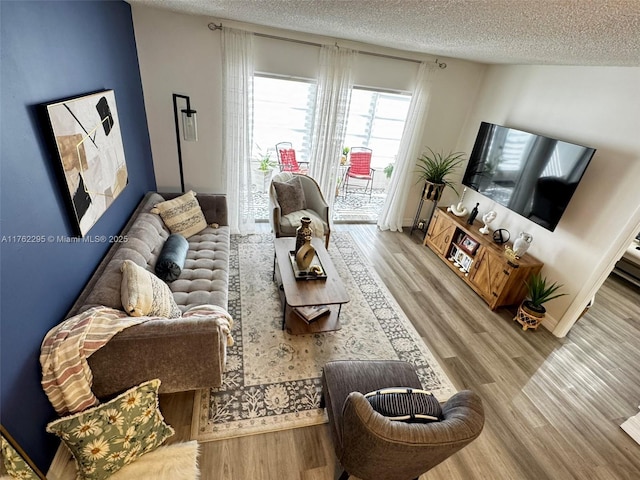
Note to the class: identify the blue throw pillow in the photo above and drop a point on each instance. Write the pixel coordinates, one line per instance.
(171, 259)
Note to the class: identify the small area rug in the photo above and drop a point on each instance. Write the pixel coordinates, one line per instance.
(272, 379)
(177, 461)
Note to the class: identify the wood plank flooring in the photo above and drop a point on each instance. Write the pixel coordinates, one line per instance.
(553, 406)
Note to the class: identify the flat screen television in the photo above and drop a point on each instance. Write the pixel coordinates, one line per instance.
(532, 175)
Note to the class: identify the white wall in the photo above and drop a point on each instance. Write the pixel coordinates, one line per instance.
(594, 106)
(179, 54)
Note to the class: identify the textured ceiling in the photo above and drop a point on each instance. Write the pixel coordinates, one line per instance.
(556, 32)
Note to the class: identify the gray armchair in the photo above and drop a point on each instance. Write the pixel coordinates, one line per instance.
(372, 447)
(316, 208)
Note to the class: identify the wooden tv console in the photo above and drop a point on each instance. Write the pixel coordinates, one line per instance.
(478, 260)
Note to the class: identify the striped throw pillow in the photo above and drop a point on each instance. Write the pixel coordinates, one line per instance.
(182, 215)
(405, 404)
(144, 294)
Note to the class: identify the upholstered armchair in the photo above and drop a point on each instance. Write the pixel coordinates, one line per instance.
(373, 447)
(292, 196)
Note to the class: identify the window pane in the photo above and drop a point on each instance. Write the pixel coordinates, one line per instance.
(376, 120)
(283, 112)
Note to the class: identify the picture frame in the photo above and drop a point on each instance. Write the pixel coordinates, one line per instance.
(15, 461)
(469, 245)
(86, 143)
(463, 261)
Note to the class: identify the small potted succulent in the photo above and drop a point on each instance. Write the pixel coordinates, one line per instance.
(434, 168)
(539, 291)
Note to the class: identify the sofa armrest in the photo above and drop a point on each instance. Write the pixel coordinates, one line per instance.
(276, 213)
(214, 208)
(184, 353)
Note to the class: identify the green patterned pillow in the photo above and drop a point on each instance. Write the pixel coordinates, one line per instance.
(105, 438)
(14, 464)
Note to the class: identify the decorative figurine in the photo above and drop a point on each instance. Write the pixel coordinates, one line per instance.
(501, 236)
(473, 214)
(487, 218)
(522, 244)
(459, 210)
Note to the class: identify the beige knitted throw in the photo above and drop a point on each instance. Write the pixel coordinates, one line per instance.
(66, 376)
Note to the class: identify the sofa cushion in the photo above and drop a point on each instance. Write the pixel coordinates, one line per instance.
(405, 404)
(144, 294)
(171, 259)
(290, 195)
(182, 215)
(205, 275)
(105, 438)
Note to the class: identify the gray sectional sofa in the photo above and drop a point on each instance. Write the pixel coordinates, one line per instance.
(184, 353)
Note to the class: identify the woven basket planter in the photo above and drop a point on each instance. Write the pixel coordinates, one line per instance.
(528, 318)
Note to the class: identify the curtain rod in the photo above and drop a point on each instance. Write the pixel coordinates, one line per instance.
(213, 27)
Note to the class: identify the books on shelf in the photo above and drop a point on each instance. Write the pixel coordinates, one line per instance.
(312, 313)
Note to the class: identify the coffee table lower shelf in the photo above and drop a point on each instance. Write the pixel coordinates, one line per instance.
(295, 293)
(294, 325)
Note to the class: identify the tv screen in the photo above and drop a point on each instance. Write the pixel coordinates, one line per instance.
(532, 175)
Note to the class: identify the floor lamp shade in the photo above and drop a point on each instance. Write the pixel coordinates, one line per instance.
(189, 128)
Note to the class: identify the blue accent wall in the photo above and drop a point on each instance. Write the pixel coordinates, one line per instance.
(50, 51)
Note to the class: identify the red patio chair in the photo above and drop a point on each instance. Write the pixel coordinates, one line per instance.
(287, 159)
(360, 168)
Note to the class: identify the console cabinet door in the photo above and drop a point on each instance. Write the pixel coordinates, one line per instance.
(440, 233)
(489, 275)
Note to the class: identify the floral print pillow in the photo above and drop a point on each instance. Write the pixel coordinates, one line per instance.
(105, 438)
(15, 465)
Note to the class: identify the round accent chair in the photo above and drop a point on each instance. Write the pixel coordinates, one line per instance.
(369, 445)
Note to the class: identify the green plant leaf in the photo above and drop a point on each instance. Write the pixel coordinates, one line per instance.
(434, 167)
(540, 291)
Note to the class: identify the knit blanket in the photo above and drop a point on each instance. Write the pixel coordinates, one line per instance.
(317, 226)
(66, 376)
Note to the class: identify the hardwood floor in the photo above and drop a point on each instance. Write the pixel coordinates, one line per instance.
(553, 406)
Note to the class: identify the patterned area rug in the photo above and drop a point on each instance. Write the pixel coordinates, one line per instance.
(272, 379)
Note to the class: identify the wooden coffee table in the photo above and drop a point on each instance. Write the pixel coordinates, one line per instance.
(304, 293)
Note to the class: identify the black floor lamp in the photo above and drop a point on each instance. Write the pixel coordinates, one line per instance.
(189, 128)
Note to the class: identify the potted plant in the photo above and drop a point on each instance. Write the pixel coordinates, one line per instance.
(539, 291)
(434, 168)
(265, 165)
(345, 153)
(388, 170)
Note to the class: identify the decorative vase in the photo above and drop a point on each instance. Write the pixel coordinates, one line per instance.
(305, 255)
(302, 232)
(522, 243)
(473, 215)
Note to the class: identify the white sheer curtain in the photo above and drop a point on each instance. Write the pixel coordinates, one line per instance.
(237, 94)
(393, 209)
(332, 107)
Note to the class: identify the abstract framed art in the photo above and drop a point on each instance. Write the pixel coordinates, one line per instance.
(88, 147)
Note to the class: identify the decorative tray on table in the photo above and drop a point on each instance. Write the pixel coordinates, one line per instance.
(314, 272)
